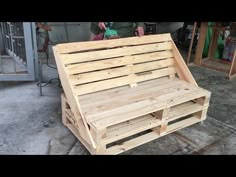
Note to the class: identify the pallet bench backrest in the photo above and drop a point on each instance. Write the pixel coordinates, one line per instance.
(108, 64)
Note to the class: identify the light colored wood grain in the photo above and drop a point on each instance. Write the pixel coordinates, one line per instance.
(97, 82)
(213, 64)
(181, 67)
(126, 98)
(103, 44)
(84, 142)
(117, 149)
(164, 116)
(111, 53)
(120, 61)
(131, 128)
(182, 124)
(214, 41)
(232, 71)
(111, 83)
(72, 98)
(191, 43)
(184, 109)
(105, 95)
(201, 42)
(141, 108)
(121, 71)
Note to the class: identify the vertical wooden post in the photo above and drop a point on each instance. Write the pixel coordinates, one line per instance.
(214, 40)
(201, 43)
(191, 43)
(98, 136)
(232, 72)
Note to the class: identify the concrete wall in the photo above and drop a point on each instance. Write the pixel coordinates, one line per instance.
(69, 31)
(168, 27)
(63, 32)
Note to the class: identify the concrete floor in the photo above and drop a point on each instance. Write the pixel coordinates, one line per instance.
(31, 124)
(8, 66)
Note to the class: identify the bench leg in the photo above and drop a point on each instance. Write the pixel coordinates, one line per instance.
(202, 114)
(162, 115)
(205, 102)
(64, 106)
(98, 136)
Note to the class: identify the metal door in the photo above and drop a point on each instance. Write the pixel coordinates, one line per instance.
(17, 51)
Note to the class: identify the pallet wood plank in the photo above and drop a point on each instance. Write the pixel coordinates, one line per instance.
(117, 149)
(181, 67)
(213, 64)
(117, 82)
(142, 108)
(201, 42)
(107, 94)
(184, 110)
(112, 53)
(162, 93)
(73, 99)
(121, 71)
(132, 128)
(232, 71)
(119, 88)
(124, 60)
(131, 97)
(84, 46)
(115, 62)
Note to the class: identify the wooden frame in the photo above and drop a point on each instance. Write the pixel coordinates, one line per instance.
(132, 90)
(209, 61)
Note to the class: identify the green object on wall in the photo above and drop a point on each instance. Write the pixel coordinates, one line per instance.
(220, 45)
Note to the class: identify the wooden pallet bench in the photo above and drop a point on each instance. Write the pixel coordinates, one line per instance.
(122, 93)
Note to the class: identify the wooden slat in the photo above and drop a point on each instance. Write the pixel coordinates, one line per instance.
(201, 42)
(118, 52)
(82, 46)
(72, 98)
(140, 106)
(124, 90)
(144, 107)
(233, 66)
(181, 67)
(117, 149)
(111, 83)
(75, 131)
(214, 41)
(184, 110)
(182, 124)
(131, 128)
(215, 65)
(121, 71)
(191, 43)
(114, 62)
(113, 102)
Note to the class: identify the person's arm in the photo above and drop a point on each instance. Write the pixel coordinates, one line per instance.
(140, 28)
(97, 28)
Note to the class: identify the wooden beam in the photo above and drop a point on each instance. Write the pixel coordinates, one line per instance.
(72, 98)
(201, 42)
(106, 44)
(232, 71)
(214, 41)
(191, 43)
(181, 67)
